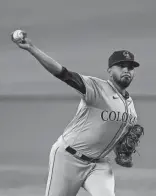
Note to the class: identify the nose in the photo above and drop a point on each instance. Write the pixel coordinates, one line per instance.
(125, 69)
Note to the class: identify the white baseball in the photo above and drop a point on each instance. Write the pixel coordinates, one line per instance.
(18, 35)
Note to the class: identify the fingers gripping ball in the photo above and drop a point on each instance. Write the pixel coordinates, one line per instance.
(18, 36)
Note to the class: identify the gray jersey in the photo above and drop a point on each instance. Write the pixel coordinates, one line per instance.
(102, 117)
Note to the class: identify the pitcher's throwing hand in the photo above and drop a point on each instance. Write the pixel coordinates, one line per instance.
(19, 37)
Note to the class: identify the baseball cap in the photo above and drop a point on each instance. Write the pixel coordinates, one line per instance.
(122, 56)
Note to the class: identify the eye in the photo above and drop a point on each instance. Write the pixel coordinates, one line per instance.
(131, 67)
(121, 65)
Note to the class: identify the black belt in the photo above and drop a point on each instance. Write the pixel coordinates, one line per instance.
(80, 156)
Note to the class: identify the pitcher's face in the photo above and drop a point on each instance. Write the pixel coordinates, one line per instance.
(122, 74)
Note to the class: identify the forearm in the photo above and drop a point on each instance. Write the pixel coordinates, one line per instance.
(71, 78)
(46, 61)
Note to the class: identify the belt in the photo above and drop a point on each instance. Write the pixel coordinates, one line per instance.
(80, 155)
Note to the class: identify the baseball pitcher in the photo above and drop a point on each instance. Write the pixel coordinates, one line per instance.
(105, 121)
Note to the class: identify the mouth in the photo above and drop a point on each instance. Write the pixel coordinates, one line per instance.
(126, 76)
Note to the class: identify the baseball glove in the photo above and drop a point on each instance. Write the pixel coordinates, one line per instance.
(127, 146)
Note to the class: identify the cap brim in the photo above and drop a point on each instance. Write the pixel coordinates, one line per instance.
(134, 63)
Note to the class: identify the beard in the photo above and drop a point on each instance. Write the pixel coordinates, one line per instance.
(123, 82)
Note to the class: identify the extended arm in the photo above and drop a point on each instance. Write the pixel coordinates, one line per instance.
(46, 61)
(73, 79)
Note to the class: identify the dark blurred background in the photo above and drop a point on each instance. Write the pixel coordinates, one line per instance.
(35, 107)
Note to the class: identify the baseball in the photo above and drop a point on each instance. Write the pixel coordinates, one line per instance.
(18, 35)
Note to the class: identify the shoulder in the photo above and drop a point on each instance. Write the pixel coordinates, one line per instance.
(98, 82)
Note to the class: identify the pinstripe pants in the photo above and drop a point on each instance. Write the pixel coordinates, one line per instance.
(67, 174)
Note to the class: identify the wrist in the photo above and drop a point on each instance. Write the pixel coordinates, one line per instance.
(31, 48)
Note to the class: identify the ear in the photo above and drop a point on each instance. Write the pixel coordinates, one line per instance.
(109, 70)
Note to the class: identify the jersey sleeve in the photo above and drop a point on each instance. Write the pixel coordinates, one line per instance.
(72, 79)
(85, 85)
(92, 90)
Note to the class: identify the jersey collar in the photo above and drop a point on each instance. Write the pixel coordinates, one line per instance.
(126, 93)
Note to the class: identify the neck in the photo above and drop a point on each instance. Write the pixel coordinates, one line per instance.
(121, 90)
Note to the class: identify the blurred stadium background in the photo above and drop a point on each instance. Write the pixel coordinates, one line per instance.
(35, 107)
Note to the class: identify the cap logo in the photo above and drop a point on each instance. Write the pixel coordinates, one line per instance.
(126, 54)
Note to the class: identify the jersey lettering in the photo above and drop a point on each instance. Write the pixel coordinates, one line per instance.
(117, 116)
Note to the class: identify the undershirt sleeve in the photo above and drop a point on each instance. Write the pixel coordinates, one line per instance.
(73, 79)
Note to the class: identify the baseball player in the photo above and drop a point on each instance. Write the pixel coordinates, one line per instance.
(79, 158)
